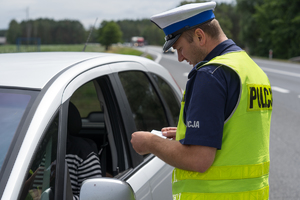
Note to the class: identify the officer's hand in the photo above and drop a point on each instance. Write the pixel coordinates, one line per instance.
(139, 141)
(169, 132)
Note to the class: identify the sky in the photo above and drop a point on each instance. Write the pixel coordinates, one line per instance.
(85, 11)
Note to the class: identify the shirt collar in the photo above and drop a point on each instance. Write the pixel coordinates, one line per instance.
(217, 51)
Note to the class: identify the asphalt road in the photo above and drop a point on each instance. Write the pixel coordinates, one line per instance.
(285, 125)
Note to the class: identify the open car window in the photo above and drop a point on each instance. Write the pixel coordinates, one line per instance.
(101, 123)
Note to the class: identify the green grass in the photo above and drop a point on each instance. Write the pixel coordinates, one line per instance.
(44, 48)
(72, 47)
(8, 48)
(125, 50)
(128, 51)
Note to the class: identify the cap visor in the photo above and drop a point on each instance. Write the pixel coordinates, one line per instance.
(168, 44)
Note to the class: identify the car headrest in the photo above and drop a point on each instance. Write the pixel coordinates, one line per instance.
(74, 120)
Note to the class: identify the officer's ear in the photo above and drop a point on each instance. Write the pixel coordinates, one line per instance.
(200, 35)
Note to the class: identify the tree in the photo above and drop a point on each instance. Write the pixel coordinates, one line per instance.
(249, 31)
(229, 20)
(48, 30)
(69, 32)
(129, 29)
(144, 28)
(270, 24)
(278, 23)
(94, 35)
(188, 2)
(3, 33)
(14, 31)
(109, 33)
(153, 35)
(45, 30)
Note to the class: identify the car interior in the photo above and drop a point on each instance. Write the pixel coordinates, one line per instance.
(95, 117)
(92, 123)
(75, 126)
(88, 119)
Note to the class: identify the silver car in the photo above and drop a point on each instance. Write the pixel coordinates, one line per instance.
(115, 95)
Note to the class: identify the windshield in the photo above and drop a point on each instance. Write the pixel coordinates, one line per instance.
(13, 104)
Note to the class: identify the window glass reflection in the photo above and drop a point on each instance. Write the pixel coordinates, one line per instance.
(40, 181)
(146, 107)
(170, 97)
(12, 108)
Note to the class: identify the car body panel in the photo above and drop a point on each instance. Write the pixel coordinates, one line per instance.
(36, 69)
(83, 78)
(55, 95)
(157, 187)
(57, 76)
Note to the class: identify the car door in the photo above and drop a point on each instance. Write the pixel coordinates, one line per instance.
(105, 120)
(41, 180)
(133, 99)
(143, 97)
(48, 172)
(106, 97)
(86, 92)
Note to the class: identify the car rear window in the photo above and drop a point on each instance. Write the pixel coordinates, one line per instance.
(13, 104)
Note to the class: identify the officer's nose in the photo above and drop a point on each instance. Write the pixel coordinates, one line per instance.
(180, 56)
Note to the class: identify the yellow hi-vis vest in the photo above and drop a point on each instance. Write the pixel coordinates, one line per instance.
(241, 168)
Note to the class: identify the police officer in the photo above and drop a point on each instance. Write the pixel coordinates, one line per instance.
(221, 149)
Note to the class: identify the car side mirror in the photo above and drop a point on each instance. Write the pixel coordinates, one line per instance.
(105, 189)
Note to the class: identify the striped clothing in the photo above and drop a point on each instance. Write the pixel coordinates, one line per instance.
(83, 163)
(81, 170)
(38, 179)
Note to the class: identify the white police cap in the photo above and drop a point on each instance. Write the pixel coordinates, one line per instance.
(174, 22)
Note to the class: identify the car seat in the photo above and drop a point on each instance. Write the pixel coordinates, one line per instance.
(74, 127)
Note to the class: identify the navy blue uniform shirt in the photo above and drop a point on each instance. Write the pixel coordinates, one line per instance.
(211, 96)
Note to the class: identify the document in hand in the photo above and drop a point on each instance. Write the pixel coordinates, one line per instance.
(158, 133)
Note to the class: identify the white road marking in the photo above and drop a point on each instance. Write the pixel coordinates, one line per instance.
(280, 72)
(158, 55)
(278, 89)
(274, 88)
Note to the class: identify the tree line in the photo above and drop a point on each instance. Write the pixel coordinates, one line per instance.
(257, 26)
(270, 24)
(48, 30)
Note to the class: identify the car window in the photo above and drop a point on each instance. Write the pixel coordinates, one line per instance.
(13, 104)
(92, 127)
(40, 181)
(85, 99)
(169, 95)
(147, 109)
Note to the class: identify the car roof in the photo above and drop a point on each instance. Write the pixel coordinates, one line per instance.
(34, 70)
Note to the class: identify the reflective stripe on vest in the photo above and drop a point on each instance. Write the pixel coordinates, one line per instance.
(181, 127)
(224, 172)
(261, 194)
(240, 169)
